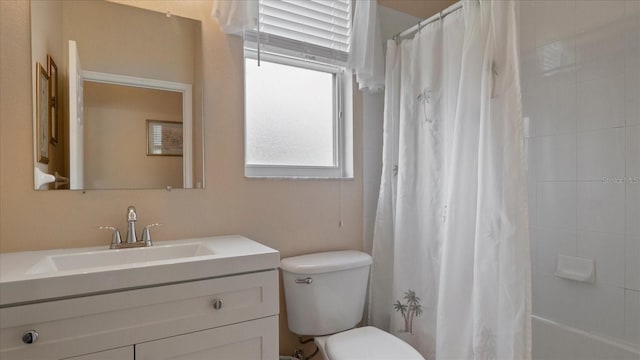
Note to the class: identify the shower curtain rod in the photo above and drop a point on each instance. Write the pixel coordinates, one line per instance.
(439, 16)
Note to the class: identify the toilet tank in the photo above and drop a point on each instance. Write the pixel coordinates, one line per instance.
(325, 292)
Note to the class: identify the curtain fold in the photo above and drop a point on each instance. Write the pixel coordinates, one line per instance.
(451, 235)
(235, 16)
(366, 58)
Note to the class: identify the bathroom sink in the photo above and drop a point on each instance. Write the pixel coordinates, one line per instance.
(97, 259)
(34, 276)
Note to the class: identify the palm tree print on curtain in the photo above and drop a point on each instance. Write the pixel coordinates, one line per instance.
(409, 310)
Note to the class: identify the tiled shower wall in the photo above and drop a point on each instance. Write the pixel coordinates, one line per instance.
(580, 64)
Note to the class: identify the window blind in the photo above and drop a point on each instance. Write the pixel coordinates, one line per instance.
(311, 29)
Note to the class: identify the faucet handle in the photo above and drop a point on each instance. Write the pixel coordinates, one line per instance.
(131, 213)
(146, 234)
(116, 239)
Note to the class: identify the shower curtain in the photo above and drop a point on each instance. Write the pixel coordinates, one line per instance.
(451, 268)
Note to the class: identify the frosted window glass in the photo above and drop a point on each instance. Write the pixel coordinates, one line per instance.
(289, 115)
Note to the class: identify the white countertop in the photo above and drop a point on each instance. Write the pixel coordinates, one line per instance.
(24, 279)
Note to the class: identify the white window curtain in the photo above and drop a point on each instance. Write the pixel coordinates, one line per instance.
(235, 16)
(311, 30)
(314, 30)
(452, 223)
(366, 58)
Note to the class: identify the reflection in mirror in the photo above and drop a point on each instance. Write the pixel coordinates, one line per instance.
(118, 67)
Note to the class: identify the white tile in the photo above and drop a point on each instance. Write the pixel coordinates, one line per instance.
(557, 104)
(555, 299)
(530, 110)
(601, 103)
(632, 30)
(633, 151)
(604, 66)
(607, 249)
(632, 8)
(601, 154)
(532, 201)
(600, 42)
(600, 309)
(534, 246)
(557, 21)
(528, 71)
(597, 14)
(551, 243)
(632, 91)
(632, 317)
(555, 157)
(531, 182)
(601, 207)
(632, 263)
(528, 19)
(529, 155)
(633, 207)
(632, 79)
(557, 205)
(632, 22)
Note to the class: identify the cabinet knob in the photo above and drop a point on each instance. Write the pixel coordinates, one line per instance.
(30, 337)
(217, 304)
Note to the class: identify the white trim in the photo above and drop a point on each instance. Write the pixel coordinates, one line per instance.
(76, 119)
(299, 172)
(292, 61)
(187, 109)
(343, 125)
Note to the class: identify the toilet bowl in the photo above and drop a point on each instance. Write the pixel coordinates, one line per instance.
(324, 295)
(366, 343)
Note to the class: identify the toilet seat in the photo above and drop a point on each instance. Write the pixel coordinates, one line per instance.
(367, 343)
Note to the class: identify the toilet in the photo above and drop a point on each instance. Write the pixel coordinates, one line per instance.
(324, 295)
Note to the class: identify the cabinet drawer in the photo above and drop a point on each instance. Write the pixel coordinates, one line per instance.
(251, 340)
(100, 322)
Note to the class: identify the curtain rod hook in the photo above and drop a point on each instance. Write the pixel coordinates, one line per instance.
(419, 26)
(440, 13)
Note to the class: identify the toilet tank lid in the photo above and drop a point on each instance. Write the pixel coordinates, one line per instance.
(325, 262)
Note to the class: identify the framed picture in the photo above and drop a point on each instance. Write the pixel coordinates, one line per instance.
(42, 113)
(53, 99)
(164, 138)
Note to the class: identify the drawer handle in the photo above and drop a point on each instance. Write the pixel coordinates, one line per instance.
(30, 337)
(217, 304)
(307, 281)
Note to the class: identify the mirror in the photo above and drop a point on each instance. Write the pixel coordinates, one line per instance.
(124, 95)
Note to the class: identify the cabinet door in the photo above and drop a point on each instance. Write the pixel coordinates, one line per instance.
(250, 340)
(124, 353)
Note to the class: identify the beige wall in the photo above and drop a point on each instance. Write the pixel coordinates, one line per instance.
(124, 40)
(115, 137)
(419, 8)
(294, 217)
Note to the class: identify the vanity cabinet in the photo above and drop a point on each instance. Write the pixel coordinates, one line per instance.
(124, 353)
(230, 317)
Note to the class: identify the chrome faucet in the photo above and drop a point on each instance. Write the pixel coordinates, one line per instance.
(131, 227)
(132, 239)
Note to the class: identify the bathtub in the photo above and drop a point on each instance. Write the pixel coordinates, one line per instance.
(555, 341)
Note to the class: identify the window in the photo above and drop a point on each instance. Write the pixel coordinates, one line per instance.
(297, 117)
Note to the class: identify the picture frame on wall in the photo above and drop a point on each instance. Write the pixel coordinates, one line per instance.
(164, 138)
(42, 113)
(53, 100)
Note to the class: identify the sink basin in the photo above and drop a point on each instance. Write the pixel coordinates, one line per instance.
(35, 276)
(97, 259)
